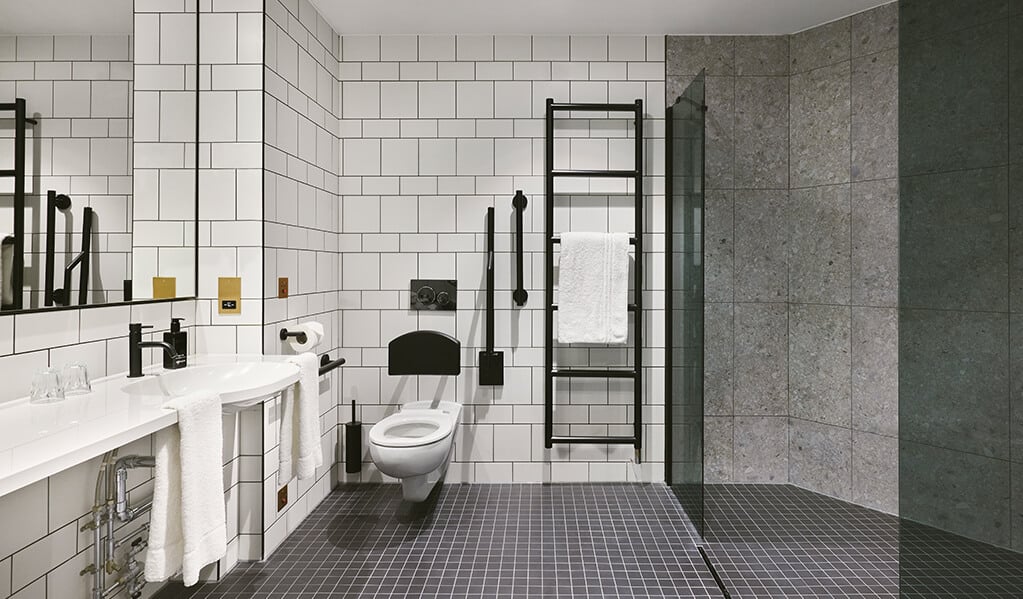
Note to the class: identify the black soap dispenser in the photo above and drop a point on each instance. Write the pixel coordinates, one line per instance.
(177, 339)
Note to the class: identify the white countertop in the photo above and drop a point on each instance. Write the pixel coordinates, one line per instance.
(40, 440)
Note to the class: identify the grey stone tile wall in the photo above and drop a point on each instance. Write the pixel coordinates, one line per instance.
(801, 367)
(961, 72)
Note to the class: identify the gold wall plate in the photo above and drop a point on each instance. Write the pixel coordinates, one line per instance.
(229, 295)
(165, 287)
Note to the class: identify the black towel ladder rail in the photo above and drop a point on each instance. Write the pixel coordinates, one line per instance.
(18, 173)
(636, 309)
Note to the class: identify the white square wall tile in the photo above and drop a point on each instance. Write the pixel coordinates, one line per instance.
(218, 38)
(474, 99)
(512, 47)
(399, 157)
(436, 47)
(361, 157)
(360, 48)
(550, 47)
(512, 156)
(399, 47)
(25, 516)
(474, 47)
(512, 99)
(626, 47)
(475, 157)
(436, 157)
(436, 99)
(6, 335)
(399, 99)
(588, 47)
(360, 271)
(360, 100)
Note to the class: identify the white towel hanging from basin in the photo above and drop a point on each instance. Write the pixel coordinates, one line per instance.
(188, 526)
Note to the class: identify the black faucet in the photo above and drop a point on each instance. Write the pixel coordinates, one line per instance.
(136, 344)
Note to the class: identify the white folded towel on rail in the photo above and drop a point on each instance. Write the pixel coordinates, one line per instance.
(300, 452)
(593, 288)
(188, 526)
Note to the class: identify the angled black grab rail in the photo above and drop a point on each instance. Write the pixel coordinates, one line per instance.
(63, 296)
(54, 202)
(520, 295)
(491, 362)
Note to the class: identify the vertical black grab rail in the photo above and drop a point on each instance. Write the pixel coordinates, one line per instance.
(520, 295)
(54, 202)
(491, 362)
(490, 279)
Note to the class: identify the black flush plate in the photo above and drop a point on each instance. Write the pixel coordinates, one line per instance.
(433, 294)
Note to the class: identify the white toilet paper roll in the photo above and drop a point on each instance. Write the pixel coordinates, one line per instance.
(313, 335)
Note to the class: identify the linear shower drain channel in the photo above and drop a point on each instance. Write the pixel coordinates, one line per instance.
(714, 573)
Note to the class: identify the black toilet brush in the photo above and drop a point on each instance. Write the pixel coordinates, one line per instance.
(353, 444)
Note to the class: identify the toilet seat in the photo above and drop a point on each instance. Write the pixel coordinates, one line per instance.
(410, 428)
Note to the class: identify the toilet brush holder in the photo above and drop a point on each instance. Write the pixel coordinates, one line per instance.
(353, 444)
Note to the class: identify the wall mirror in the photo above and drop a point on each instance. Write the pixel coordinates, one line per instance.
(98, 159)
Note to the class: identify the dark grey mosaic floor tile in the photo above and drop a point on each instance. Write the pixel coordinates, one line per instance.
(481, 541)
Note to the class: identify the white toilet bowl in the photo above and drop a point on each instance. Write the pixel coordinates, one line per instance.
(415, 445)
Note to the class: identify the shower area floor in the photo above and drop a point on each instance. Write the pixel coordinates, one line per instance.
(611, 540)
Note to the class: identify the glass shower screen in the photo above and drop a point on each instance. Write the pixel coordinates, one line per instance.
(684, 152)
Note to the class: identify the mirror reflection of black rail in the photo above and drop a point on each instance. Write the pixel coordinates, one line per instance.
(54, 202)
(63, 296)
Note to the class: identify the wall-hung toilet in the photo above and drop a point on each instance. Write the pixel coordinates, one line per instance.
(415, 445)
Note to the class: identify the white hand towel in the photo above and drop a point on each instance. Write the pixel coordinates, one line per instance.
(593, 288)
(6, 269)
(300, 452)
(188, 525)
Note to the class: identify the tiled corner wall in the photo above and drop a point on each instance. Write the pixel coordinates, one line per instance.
(163, 216)
(843, 259)
(746, 178)
(436, 129)
(230, 173)
(79, 89)
(802, 275)
(301, 103)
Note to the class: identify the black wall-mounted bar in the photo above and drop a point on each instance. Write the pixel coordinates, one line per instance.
(636, 308)
(18, 173)
(54, 202)
(491, 362)
(520, 295)
(63, 296)
(326, 364)
(285, 333)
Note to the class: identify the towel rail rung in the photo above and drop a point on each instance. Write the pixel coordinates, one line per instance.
(557, 239)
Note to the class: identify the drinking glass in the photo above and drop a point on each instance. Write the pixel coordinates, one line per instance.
(76, 379)
(46, 387)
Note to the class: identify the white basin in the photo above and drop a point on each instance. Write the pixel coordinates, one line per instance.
(238, 383)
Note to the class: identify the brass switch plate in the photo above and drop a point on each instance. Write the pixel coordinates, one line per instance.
(165, 287)
(282, 497)
(229, 295)
(282, 287)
